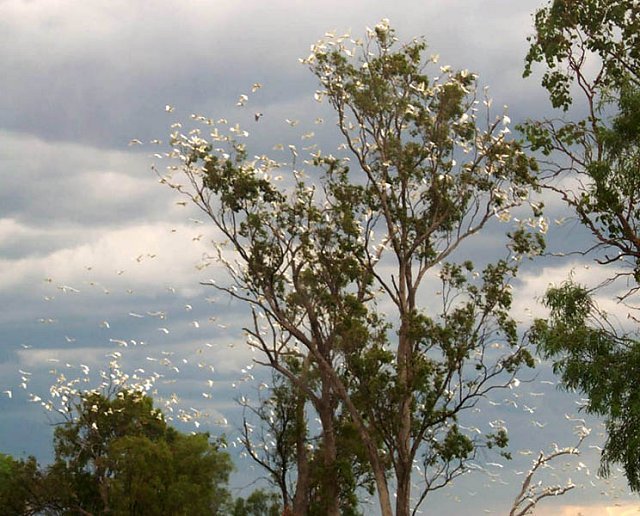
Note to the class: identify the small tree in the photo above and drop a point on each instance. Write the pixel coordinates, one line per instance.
(340, 272)
(258, 503)
(117, 454)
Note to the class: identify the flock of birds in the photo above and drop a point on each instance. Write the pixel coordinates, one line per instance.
(178, 347)
(161, 366)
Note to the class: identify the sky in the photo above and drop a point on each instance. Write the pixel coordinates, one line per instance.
(97, 258)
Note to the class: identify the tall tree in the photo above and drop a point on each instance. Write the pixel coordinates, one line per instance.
(591, 51)
(344, 272)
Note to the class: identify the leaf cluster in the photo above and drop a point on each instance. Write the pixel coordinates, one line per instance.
(568, 32)
(592, 358)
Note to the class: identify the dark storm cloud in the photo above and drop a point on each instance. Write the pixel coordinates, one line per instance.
(101, 74)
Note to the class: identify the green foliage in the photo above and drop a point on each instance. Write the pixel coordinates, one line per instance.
(180, 475)
(594, 44)
(455, 446)
(568, 31)
(98, 420)
(116, 455)
(16, 477)
(258, 503)
(592, 359)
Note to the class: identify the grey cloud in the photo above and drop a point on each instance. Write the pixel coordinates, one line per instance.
(101, 74)
(62, 184)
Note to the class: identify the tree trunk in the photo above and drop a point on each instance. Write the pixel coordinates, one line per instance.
(330, 491)
(103, 483)
(303, 484)
(404, 459)
(403, 500)
(382, 487)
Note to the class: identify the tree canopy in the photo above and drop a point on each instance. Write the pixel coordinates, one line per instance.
(590, 356)
(590, 50)
(115, 454)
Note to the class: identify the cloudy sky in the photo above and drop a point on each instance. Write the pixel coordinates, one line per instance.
(96, 257)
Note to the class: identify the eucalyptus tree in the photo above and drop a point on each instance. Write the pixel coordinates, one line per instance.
(591, 54)
(348, 267)
(591, 51)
